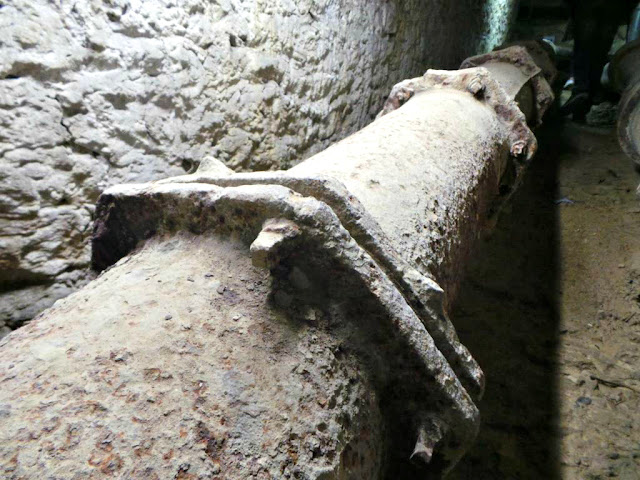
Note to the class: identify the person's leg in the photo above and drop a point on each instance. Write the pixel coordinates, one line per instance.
(583, 28)
(595, 25)
(609, 15)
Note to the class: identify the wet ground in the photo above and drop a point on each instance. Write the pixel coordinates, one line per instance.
(551, 310)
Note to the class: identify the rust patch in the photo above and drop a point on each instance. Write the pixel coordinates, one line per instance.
(200, 389)
(183, 472)
(107, 463)
(73, 436)
(143, 450)
(120, 356)
(155, 375)
(94, 407)
(213, 443)
(105, 442)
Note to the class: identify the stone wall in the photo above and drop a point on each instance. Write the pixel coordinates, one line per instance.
(99, 92)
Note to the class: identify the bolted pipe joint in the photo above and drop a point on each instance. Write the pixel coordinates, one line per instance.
(282, 324)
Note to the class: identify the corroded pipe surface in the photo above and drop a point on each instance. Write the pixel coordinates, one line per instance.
(286, 324)
(625, 76)
(429, 172)
(175, 364)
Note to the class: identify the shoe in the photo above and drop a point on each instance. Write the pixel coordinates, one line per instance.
(578, 105)
(580, 118)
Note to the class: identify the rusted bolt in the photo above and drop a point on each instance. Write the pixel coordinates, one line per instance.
(519, 148)
(267, 249)
(430, 433)
(476, 87)
(405, 94)
(399, 97)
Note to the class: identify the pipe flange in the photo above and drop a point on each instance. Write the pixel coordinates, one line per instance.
(270, 217)
(624, 68)
(629, 122)
(479, 83)
(542, 53)
(624, 72)
(425, 296)
(521, 57)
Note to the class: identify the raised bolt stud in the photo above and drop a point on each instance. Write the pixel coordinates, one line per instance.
(476, 87)
(519, 148)
(430, 433)
(268, 247)
(399, 97)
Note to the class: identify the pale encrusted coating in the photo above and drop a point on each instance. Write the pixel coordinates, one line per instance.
(423, 293)
(198, 207)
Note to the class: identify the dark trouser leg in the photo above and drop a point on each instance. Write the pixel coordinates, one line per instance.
(595, 24)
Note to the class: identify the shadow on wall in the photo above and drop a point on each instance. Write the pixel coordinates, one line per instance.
(507, 316)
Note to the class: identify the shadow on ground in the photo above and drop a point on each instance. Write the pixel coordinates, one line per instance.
(507, 316)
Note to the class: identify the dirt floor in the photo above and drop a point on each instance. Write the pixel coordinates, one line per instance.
(551, 310)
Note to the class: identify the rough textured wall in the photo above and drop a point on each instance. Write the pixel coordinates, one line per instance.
(100, 92)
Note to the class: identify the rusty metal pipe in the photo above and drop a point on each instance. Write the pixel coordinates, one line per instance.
(286, 324)
(624, 71)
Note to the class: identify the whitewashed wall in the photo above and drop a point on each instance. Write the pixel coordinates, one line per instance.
(98, 92)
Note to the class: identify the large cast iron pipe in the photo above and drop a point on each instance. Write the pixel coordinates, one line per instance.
(286, 324)
(624, 71)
